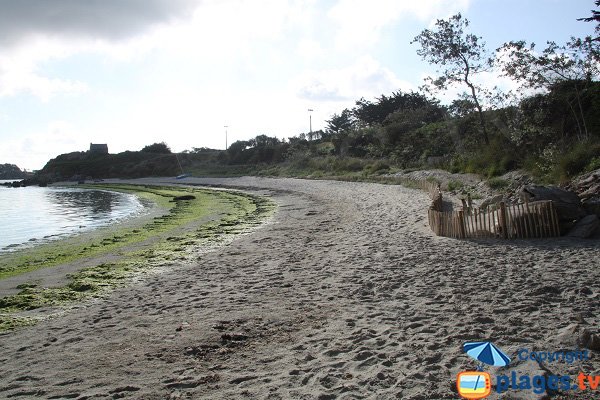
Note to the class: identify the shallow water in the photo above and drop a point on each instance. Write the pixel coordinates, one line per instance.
(34, 214)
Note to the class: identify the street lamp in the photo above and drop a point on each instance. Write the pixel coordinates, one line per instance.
(310, 110)
(226, 126)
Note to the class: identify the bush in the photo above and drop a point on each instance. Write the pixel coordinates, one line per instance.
(498, 183)
(348, 164)
(578, 159)
(160, 148)
(593, 165)
(377, 167)
(455, 185)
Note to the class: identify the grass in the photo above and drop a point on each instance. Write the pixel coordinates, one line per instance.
(188, 225)
(498, 183)
(454, 186)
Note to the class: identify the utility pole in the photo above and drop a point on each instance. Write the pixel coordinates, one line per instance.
(310, 110)
(226, 126)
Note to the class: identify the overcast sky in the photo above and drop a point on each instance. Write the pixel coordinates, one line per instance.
(134, 72)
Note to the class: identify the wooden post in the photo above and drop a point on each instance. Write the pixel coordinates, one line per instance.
(546, 217)
(554, 216)
(522, 224)
(540, 216)
(461, 224)
(531, 230)
(503, 222)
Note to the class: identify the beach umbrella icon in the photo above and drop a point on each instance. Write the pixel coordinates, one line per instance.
(486, 353)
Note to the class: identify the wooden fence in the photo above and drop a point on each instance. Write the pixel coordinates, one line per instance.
(517, 221)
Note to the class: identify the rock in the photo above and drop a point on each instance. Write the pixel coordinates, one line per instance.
(592, 191)
(587, 186)
(184, 197)
(491, 201)
(592, 207)
(567, 204)
(590, 340)
(235, 337)
(585, 227)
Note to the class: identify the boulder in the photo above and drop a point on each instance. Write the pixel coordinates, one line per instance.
(592, 207)
(184, 197)
(491, 201)
(590, 340)
(567, 204)
(585, 227)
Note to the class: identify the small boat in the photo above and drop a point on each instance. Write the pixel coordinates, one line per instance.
(183, 174)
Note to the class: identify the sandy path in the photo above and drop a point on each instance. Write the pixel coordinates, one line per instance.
(345, 295)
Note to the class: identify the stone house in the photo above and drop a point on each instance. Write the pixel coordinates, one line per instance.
(99, 148)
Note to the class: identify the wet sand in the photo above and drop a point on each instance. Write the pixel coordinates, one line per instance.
(345, 294)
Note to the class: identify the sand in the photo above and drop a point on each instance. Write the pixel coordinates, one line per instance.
(344, 294)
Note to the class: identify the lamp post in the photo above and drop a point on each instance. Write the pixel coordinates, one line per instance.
(226, 126)
(310, 110)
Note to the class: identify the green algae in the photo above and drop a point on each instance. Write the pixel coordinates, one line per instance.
(207, 220)
(10, 322)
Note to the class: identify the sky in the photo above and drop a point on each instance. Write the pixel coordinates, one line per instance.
(130, 73)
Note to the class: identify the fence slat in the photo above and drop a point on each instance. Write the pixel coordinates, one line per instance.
(555, 226)
(520, 221)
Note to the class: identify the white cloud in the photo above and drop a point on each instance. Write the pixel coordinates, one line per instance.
(31, 151)
(360, 23)
(19, 71)
(365, 78)
(310, 49)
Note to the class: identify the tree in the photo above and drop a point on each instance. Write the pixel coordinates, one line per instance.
(340, 123)
(160, 148)
(460, 56)
(373, 113)
(595, 17)
(577, 64)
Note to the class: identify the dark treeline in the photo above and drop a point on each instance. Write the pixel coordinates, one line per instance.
(554, 132)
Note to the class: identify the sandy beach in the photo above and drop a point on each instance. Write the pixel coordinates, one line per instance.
(344, 294)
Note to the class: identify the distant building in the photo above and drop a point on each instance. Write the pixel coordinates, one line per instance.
(98, 148)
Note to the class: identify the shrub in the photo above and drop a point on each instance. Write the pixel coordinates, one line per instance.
(498, 183)
(160, 148)
(377, 167)
(593, 165)
(577, 159)
(455, 185)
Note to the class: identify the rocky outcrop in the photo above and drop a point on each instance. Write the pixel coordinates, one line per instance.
(585, 227)
(11, 171)
(587, 186)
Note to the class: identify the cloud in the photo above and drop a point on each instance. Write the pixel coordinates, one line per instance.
(111, 20)
(33, 150)
(309, 49)
(19, 72)
(35, 31)
(365, 78)
(360, 23)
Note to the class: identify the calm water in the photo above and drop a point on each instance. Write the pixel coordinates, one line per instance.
(32, 215)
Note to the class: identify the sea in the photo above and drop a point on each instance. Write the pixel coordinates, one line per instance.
(33, 215)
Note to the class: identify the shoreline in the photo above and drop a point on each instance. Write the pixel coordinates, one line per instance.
(95, 261)
(146, 212)
(345, 294)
